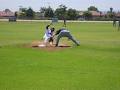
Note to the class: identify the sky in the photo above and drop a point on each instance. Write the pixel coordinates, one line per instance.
(102, 5)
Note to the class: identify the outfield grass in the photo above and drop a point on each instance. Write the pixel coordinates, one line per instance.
(94, 65)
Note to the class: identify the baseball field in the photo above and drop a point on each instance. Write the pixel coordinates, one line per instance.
(94, 65)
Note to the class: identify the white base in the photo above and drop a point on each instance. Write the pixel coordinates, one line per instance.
(41, 45)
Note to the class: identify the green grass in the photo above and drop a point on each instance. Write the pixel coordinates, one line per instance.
(94, 65)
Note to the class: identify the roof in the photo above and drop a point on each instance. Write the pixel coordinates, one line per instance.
(118, 14)
(6, 14)
(95, 13)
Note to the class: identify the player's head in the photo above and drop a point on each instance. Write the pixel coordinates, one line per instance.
(52, 29)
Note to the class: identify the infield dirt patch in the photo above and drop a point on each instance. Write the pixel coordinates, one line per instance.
(40, 45)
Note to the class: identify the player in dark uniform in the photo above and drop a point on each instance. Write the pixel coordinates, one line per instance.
(65, 33)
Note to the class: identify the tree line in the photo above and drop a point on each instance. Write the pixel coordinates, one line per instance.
(47, 13)
(62, 12)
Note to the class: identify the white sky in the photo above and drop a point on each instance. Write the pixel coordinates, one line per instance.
(102, 5)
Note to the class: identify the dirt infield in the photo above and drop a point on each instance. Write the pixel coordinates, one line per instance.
(40, 45)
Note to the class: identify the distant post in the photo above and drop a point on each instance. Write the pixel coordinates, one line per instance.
(114, 22)
(64, 21)
(118, 25)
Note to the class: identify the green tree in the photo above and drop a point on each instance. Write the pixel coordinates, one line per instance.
(49, 12)
(61, 12)
(87, 15)
(110, 13)
(92, 8)
(42, 9)
(30, 13)
(22, 12)
(72, 14)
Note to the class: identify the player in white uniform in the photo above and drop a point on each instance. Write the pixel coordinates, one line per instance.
(47, 35)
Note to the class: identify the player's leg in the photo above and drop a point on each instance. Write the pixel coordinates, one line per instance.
(51, 40)
(46, 41)
(73, 39)
(58, 39)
